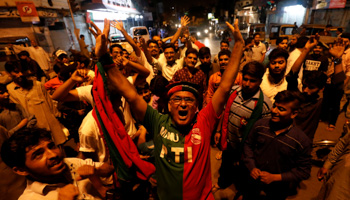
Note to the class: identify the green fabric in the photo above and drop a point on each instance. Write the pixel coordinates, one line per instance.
(169, 173)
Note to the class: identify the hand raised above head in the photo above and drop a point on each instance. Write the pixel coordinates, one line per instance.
(338, 49)
(118, 25)
(185, 20)
(235, 31)
(101, 37)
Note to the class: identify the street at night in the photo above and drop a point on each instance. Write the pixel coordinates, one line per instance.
(172, 100)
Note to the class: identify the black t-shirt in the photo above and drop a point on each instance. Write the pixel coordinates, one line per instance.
(314, 62)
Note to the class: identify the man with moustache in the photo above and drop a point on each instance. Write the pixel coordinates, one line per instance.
(34, 98)
(224, 45)
(50, 176)
(245, 106)
(258, 49)
(316, 61)
(277, 153)
(215, 79)
(205, 63)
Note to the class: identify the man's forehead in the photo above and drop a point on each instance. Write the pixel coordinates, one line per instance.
(41, 143)
(169, 49)
(191, 55)
(183, 94)
(117, 49)
(224, 57)
(278, 59)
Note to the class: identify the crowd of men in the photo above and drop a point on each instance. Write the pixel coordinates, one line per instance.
(144, 121)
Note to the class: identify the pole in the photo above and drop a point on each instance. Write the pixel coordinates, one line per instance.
(76, 31)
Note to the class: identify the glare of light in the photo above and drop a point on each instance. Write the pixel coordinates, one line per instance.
(210, 28)
(141, 17)
(198, 33)
(297, 9)
(206, 31)
(179, 25)
(206, 42)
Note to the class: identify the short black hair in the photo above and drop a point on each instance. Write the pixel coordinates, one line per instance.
(67, 71)
(315, 79)
(225, 41)
(224, 52)
(191, 50)
(114, 46)
(301, 42)
(152, 41)
(254, 69)
(158, 85)
(194, 35)
(280, 39)
(328, 25)
(287, 96)
(276, 53)
(3, 88)
(142, 86)
(340, 29)
(81, 36)
(13, 150)
(255, 34)
(203, 51)
(23, 53)
(168, 45)
(11, 66)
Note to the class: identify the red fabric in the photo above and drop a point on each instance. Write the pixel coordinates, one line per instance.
(116, 130)
(199, 44)
(196, 173)
(225, 120)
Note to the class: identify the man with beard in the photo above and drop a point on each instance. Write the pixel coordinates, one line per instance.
(34, 98)
(293, 41)
(37, 53)
(30, 67)
(277, 153)
(293, 56)
(246, 105)
(205, 63)
(13, 117)
(215, 79)
(274, 79)
(32, 153)
(182, 138)
(313, 83)
(316, 61)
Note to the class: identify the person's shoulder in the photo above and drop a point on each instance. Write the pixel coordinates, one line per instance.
(300, 137)
(267, 100)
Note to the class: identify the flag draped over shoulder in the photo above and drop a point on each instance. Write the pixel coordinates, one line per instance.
(122, 150)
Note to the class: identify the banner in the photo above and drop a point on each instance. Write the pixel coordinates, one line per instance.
(330, 4)
(27, 11)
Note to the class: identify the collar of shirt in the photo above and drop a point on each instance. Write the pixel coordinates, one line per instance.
(39, 187)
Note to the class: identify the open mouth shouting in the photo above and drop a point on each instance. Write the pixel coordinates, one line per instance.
(183, 114)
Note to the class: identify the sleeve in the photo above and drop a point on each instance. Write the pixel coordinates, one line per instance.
(249, 147)
(303, 163)
(151, 120)
(87, 143)
(49, 101)
(84, 93)
(210, 92)
(209, 116)
(337, 151)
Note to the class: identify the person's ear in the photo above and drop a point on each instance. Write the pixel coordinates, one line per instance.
(20, 171)
(169, 107)
(294, 113)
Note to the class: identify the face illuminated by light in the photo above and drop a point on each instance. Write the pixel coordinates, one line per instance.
(182, 107)
(283, 44)
(191, 60)
(223, 61)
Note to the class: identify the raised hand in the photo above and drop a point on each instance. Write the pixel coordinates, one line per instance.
(85, 171)
(338, 49)
(80, 75)
(185, 21)
(311, 43)
(321, 172)
(101, 37)
(118, 25)
(235, 31)
(255, 173)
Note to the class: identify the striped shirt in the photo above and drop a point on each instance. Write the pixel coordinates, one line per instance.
(241, 111)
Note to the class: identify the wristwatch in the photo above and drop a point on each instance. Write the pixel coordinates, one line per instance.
(337, 61)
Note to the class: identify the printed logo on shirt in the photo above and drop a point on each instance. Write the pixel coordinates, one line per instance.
(174, 137)
(196, 136)
(312, 65)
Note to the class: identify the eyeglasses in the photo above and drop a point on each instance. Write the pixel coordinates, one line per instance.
(178, 100)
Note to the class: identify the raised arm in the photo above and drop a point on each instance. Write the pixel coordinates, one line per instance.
(306, 50)
(65, 92)
(221, 94)
(119, 25)
(145, 51)
(184, 22)
(116, 78)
